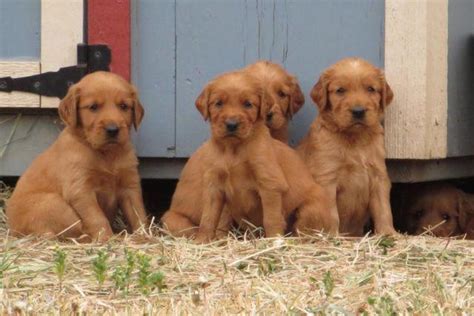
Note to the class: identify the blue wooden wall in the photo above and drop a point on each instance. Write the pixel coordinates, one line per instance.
(460, 78)
(179, 45)
(20, 29)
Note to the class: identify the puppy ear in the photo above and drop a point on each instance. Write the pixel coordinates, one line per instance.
(137, 111)
(319, 93)
(296, 98)
(266, 103)
(466, 213)
(387, 94)
(202, 102)
(68, 107)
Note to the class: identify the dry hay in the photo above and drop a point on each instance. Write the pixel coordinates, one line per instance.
(246, 275)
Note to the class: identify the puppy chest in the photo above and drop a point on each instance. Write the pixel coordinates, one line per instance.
(241, 191)
(107, 189)
(353, 187)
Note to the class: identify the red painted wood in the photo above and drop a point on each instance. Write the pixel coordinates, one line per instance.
(109, 23)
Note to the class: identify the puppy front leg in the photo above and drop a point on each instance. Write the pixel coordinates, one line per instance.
(131, 204)
(94, 221)
(213, 203)
(274, 222)
(380, 209)
(319, 211)
(225, 223)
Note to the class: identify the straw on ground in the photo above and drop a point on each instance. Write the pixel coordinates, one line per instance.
(150, 272)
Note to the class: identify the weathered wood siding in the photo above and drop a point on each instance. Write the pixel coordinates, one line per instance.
(460, 126)
(20, 30)
(179, 45)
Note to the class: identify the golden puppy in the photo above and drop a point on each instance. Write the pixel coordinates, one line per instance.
(344, 148)
(440, 208)
(77, 185)
(284, 91)
(242, 173)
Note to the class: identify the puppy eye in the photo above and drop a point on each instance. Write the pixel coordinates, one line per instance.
(281, 94)
(371, 89)
(446, 217)
(247, 104)
(419, 214)
(340, 91)
(93, 107)
(219, 103)
(123, 106)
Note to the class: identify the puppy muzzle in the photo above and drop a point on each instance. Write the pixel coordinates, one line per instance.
(112, 130)
(358, 113)
(231, 125)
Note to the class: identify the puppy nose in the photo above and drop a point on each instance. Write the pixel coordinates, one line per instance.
(269, 116)
(358, 112)
(112, 130)
(231, 125)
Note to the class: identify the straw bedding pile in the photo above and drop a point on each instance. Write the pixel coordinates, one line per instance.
(153, 273)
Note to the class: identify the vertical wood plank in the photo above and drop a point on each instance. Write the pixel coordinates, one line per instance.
(416, 67)
(216, 36)
(317, 34)
(460, 78)
(108, 22)
(19, 30)
(211, 39)
(153, 72)
(61, 31)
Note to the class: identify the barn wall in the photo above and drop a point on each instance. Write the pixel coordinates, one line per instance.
(179, 45)
(22, 138)
(460, 78)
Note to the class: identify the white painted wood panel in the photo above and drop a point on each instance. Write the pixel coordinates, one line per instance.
(61, 31)
(416, 50)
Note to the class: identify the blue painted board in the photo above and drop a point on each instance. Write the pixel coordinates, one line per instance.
(460, 77)
(306, 36)
(212, 37)
(322, 32)
(20, 29)
(179, 45)
(153, 72)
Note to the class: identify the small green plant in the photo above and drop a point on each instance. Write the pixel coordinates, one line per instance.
(60, 265)
(121, 282)
(328, 283)
(386, 242)
(123, 274)
(99, 265)
(147, 280)
(157, 281)
(143, 272)
(382, 305)
(267, 266)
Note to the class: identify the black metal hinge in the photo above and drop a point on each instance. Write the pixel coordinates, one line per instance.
(90, 58)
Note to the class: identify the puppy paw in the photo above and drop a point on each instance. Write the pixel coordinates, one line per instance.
(221, 234)
(102, 235)
(202, 238)
(388, 231)
(274, 233)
